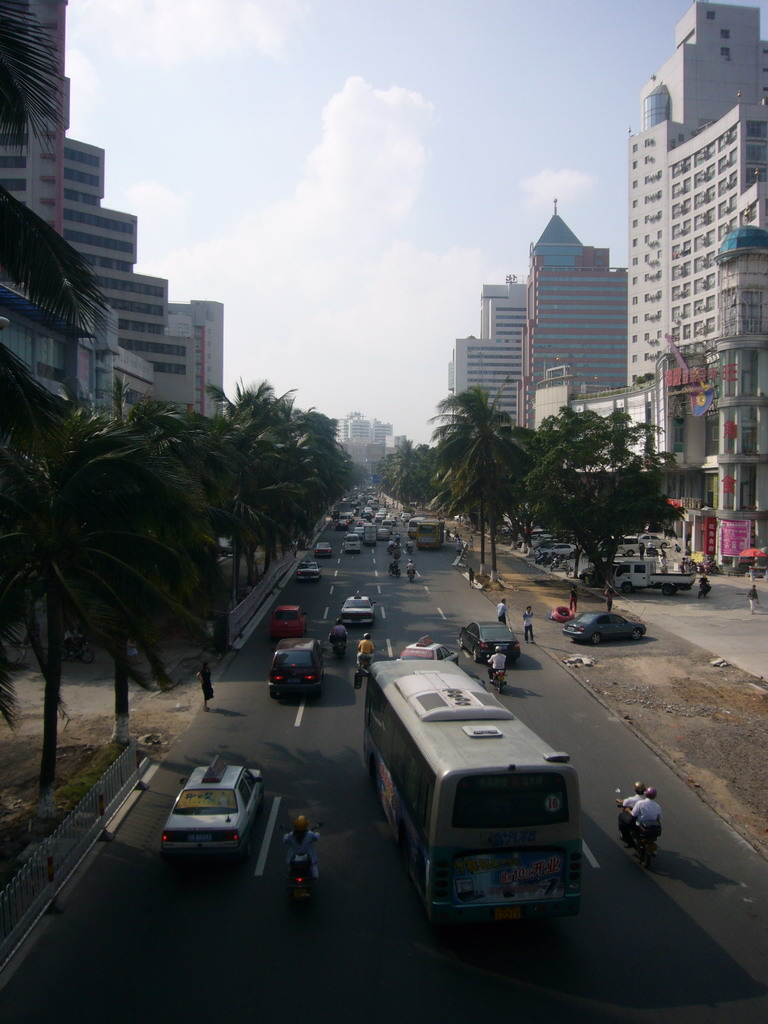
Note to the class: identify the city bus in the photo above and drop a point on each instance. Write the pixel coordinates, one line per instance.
(413, 524)
(487, 817)
(430, 533)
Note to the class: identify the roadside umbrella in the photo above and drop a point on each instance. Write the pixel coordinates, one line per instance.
(752, 553)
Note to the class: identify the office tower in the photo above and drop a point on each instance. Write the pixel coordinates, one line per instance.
(62, 180)
(494, 360)
(697, 170)
(576, 314)
(195, 341)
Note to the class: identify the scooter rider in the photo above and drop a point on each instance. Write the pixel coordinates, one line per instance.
(496, 663)
(410, 569)
(704, 586)
(626, 821)
(302, 840)
(338, 632)
(365, 647)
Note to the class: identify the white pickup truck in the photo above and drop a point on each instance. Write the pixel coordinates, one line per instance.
(635, 574)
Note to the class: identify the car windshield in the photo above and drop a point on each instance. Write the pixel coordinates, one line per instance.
(286, 613)
(361, 603)
(206, 801)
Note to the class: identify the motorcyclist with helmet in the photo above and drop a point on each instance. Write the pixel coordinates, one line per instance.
(627, 823)
(365, 648)
(496, 663)
(646, 812)
(338, 632)
(302, 840)
(704, 586)
(410, 569)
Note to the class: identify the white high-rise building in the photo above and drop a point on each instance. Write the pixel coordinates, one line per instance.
(195, 344)
(496, 356)
(697, 170)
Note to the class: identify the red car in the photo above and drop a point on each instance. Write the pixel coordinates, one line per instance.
(288, 620)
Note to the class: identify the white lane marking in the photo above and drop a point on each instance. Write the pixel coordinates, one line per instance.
(299, 714)
(383, 612)
(331, 590)
(378, 585)
(267, 836)
(389, 648)
(325, 613)
(589, 855)
(440, 610)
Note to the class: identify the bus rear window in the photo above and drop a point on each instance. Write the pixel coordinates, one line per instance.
(511, 800)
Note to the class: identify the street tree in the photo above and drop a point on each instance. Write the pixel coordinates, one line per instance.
(596, 478)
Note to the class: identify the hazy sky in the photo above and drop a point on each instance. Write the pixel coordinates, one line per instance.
(345, 175)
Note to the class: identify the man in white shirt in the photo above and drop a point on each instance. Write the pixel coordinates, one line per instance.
(646, 812)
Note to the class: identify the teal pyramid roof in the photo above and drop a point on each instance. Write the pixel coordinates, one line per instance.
(557, 232)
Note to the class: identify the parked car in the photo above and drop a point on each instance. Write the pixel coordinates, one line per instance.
(213, 815)
(287, 620)
(357, 611)
(323, 550)
(426, 649)
(594, 627)
(561, 550)
(352, 544)
(297, 667)
(308, 571)
(480, 639)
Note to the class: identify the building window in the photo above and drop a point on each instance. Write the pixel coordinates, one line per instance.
(710, 15)
(725, 33)
(725, 51)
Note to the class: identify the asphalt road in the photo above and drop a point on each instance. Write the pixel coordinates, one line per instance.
(141, 942)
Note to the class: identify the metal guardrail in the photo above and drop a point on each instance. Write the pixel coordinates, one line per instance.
(33, 889)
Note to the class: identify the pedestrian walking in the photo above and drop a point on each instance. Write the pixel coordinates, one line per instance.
(641, 549)
(528, 625)
(471, 575)
(471, 542)
(610, 593)
(204, 675)
(662, 562)
(754, 600)
(501, 612)
(573, 600)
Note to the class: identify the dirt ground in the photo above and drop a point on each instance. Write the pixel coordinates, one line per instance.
(710, 724)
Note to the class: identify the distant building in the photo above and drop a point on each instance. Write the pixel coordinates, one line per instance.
(195, 341)
(576, 314)
(697, 170)
(356, 427)
(494, 360)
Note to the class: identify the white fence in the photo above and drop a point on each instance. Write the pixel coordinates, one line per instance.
(32, 890)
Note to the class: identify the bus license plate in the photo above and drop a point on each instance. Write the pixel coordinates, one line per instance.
(507, 913)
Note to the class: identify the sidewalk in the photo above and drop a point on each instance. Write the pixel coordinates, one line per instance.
(720, 624)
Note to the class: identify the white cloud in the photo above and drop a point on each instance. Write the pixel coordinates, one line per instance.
(153, 201)
(177, 31)
(548, 185)
(324, 292)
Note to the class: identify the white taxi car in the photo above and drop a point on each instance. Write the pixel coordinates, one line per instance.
(425, 649)
(214, 813)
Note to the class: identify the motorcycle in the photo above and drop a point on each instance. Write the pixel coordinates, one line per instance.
(301, 879)
(364, 661)
(77, 648)
(338, 646)
(704, 586)
(411, 573)
(643, 839)
(394, 569)
(497, 677)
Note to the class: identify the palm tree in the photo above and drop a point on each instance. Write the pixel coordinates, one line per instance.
(476, 455)
(93, 524)
(33, 256)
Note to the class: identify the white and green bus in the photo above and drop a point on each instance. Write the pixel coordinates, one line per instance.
(487, 817)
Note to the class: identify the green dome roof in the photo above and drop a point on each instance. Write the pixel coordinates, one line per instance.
(745, 237)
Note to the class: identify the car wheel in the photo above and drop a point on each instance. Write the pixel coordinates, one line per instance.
(626, 587)
(629, 553)
(668, 589)
(637, 634)
(245, 853)
(477, 659)
(595, 638)
(273, 694)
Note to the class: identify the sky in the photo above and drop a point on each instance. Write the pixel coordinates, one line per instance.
(345, 175)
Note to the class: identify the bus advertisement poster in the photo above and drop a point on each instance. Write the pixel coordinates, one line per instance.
(518, 877)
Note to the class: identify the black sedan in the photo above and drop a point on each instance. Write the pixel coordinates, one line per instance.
(594, 627)
(480, 639)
